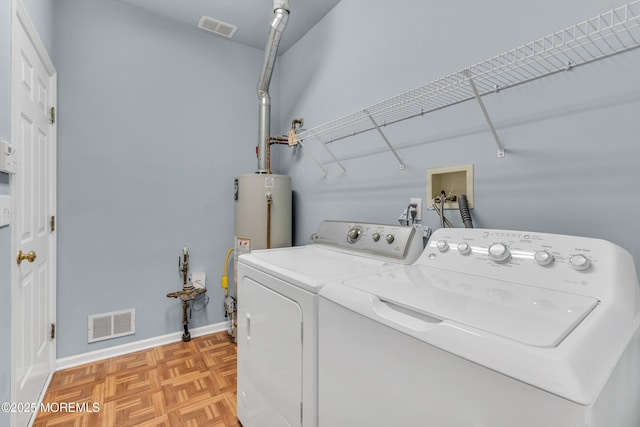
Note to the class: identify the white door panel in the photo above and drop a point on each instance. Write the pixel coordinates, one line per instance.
(33, 193)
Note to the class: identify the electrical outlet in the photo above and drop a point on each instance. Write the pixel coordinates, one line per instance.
(418, 202)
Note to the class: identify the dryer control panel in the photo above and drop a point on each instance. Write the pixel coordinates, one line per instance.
(575, 264)
(400, 243)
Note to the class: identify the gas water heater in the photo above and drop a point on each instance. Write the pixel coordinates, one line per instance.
(262, 212)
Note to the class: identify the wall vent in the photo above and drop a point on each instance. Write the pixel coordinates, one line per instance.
(111, 325)
(215, 26)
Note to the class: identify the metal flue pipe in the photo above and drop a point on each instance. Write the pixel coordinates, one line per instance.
(281, 12)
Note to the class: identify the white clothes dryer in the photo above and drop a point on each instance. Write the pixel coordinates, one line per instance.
(489, 328)
(278, 311)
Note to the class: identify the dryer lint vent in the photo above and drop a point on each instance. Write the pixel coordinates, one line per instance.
(218, 27)
(111, 325)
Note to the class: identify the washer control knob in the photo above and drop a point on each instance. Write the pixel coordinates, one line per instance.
(580, 262)
(354, 233)
(499, 252)
(375, 237)
(543, 258)
(389, 238)
(442, 245)
(464, 248)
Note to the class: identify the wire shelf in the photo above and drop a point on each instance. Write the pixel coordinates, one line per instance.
(607, 34)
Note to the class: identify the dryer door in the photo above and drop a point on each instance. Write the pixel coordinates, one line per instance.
(269, 357)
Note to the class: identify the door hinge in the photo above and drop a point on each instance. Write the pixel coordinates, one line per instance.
(52, 223)
(53, 331)
(52, 115)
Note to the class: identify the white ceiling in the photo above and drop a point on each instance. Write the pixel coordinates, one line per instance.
(252, 17)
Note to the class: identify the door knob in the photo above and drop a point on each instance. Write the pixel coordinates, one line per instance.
(31, 256)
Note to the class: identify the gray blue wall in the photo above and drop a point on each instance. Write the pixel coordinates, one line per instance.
(155, 120)
(573, 155)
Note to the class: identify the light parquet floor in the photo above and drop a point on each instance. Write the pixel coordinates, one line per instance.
(181, 384)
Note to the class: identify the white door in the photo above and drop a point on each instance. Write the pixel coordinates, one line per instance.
(33, 93)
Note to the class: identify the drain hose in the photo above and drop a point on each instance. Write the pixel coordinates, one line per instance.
(464, 211)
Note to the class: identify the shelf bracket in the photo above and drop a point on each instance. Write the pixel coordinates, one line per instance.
(485, 113)
(314, 159)
(344, 170)
(384, 137)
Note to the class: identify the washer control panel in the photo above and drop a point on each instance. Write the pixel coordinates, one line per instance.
(379, 240)
(539, 259)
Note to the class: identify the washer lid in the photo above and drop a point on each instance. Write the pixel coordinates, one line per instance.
(309, 267)
(530, 315)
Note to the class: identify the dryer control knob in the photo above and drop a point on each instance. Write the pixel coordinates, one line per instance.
(442, 245)
(353, 235)
(375, 237)
(499, 252)
(543, 258)
(464, 248)
(390, 238)
(580, 262)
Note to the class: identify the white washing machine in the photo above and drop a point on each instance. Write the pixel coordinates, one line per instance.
(278, 311)
(487, 329)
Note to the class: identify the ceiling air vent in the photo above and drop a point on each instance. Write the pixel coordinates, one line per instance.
(221, 28)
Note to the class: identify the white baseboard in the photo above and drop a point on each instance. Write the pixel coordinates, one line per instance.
(119, 350)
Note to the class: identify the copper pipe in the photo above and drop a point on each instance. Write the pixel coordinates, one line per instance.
(269, 158)
(297, 122)
(274, 140)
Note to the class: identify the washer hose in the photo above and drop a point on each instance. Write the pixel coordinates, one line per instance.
(464, 211)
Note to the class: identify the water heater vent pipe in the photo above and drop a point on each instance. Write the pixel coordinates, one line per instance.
(281, 12)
